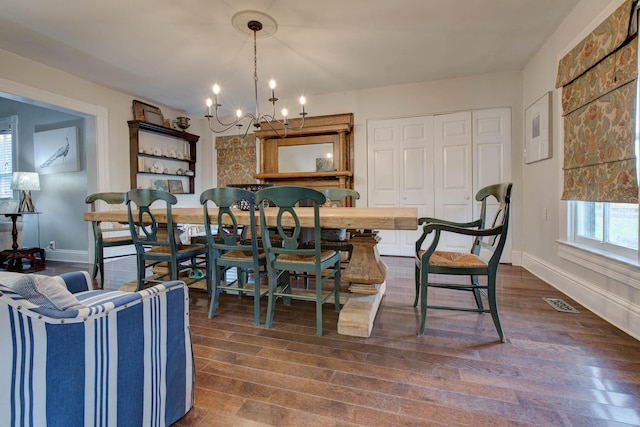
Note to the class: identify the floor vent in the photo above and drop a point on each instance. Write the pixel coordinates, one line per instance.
(560, 305)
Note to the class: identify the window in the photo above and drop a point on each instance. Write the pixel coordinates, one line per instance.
(7, 139)
(608, 227)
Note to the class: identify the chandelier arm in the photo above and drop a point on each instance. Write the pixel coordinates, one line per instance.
(221, 130)
(270, 124)
(226, 124)
(301, 124)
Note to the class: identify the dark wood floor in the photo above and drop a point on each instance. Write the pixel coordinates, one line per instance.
(555, 368)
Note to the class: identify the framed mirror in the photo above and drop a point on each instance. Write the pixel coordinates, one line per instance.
(302, 158)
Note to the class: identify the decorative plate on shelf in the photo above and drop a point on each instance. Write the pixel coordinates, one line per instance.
(179, 155)
(172, 154)
(156, 151)
(157, 168)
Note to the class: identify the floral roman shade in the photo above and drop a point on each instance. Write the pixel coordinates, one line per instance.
(599, 86)
(236, 159)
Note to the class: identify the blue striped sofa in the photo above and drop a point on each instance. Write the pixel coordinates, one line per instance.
(125, 359)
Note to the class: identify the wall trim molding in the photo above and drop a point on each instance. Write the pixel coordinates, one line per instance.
(67, 255)
(616, 269)
(621, 313)
(516, 258)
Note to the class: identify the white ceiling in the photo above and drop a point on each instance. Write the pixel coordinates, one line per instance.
(171, 52)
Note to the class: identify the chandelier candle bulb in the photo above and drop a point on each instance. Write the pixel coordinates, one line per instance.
(216, 91)
(303, 101)
(272, 85)
(209, 103)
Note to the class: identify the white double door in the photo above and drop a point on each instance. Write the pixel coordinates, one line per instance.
(436, 164)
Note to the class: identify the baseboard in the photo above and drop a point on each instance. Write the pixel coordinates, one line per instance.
(119, 251)
(516, 258)
(620, 312)
(67, 255)
(83, 256)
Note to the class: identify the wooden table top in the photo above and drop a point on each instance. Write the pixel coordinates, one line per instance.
(395, 218)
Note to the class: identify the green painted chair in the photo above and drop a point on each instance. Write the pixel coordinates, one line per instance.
(288, 255)
(233, 245)
(483, 259)
(338, 239)
(101, 236)
(158, 246)
(338, 196)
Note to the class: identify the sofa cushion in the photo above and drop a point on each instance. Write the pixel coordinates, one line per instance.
(46, 292)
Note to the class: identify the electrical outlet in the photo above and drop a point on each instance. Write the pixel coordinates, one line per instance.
(52, 245)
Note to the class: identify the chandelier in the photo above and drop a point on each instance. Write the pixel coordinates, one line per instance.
(279, 126)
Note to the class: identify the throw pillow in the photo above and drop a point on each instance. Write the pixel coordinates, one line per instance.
(46, 292)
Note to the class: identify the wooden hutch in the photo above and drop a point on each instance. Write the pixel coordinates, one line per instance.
(335, 132)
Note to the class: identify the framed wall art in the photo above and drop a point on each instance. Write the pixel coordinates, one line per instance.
(175, 186)
(147, 112)
(56, 150)
(538, 130)
(159, 184)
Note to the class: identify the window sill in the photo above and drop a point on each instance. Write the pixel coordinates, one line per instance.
(624, 270)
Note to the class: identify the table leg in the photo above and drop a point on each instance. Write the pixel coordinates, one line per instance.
(14, 260)
(365, 265)
(367, 273)
(14, 233)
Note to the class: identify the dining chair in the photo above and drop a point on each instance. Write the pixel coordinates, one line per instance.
(107, 237)
(289, 255)
(482, 260)
(231, 245)
(338, 239)
(158, 247)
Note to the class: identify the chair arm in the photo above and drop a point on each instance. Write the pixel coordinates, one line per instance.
(427, 220)
(462, 230)
(104, 360)
(77, 281)
(439, 227)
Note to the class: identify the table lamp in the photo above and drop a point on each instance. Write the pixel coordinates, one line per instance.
(25, 181)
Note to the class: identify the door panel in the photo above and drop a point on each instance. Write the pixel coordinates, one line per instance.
(399, 166)
(492, 149)
(453, 174)
(384, 180)
(455, 242)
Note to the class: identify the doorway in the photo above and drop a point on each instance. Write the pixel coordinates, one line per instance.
(61, 199)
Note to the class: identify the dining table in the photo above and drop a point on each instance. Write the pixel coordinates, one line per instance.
(366, 271)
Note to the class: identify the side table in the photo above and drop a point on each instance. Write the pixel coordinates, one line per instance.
(13, 259)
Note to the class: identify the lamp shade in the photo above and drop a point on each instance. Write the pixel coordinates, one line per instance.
(25, 181)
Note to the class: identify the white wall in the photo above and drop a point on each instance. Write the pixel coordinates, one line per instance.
(613, 291)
